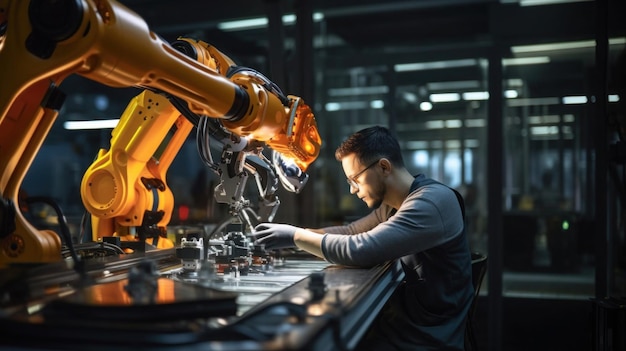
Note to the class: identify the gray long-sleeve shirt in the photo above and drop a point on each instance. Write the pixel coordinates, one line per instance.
(427, 234)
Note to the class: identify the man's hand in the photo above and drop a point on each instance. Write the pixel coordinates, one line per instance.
(274, 235)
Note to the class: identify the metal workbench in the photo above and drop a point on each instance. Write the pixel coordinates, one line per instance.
(302, 303)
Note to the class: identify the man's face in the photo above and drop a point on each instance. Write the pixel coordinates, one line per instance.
(367, 178)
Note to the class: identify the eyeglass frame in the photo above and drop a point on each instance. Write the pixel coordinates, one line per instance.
(352, 180)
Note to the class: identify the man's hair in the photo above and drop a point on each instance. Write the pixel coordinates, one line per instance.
(370, 144)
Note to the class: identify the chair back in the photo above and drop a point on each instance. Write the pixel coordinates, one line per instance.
(479, 268)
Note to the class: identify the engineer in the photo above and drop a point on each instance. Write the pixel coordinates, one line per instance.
(414, 219)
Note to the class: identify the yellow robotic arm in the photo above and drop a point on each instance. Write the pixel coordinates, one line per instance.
(42, 42)
(125, 189)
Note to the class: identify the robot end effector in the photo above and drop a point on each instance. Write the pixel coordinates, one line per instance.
(260, 112)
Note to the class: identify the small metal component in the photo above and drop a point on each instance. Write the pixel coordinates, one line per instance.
(317, 286)
(142, 282)
(191, 252)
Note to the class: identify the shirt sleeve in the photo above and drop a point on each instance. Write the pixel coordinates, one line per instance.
(362, 224)
(429, 216)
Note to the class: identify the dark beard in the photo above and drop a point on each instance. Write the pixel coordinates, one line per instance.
(380, 195)
(376, 204)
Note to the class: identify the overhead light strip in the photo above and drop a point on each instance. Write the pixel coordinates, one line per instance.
(563, 46)
(261, 22)
(251, 23)
(547, 2)
(354, 105)
(533, 102)
(574, 100)
(445, 97)
(420, 66)
(93, 124)
(353, 91)
(519, 61)
(476, 95)
(454, 85)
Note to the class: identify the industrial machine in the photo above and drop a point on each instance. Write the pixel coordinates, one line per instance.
(186, 84)
(131, 286)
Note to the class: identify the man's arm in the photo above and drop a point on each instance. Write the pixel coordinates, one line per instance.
(309, 240)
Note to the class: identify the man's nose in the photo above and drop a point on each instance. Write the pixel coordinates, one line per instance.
(353, 189)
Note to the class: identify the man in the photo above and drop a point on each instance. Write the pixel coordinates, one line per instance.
(414, 219)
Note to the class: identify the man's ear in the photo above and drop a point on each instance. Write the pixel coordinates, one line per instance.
(385, 165)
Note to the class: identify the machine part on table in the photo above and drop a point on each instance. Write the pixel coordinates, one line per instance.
(142, 282)
(317, 286)
(191, 253)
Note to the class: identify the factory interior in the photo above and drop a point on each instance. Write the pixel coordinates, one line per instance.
(520, 105)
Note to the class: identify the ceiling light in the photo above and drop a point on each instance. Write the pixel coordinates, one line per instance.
(347, 105)
(475, 122)
(420, 66)
(289, 19)
(455, 85)
(318, 16)
(454, 123)
(445, 97)
(471, 143)
(452, 144)
(251, 23)
(426, 106)
(261, 22)
(563, 46)
(510, 94)
(533, 102)
(553, 46)
(484, 95)
(545, 119)
(333, 106)
(420, 156)
(514, 82)
(544, 130)
(476, 95)
(377, 104)
(409, 97)
(547, 2)
(436, 124)
(382, 89)
(525, 61)
(573, 100)
(93, 124)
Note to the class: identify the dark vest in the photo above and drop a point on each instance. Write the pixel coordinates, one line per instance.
(428, 311)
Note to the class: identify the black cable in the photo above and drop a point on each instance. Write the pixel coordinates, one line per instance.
(112, 249)
(83, 224)
(65, 231)
(269, 85)
(205, 130)
(206, 157)
(182, 107)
